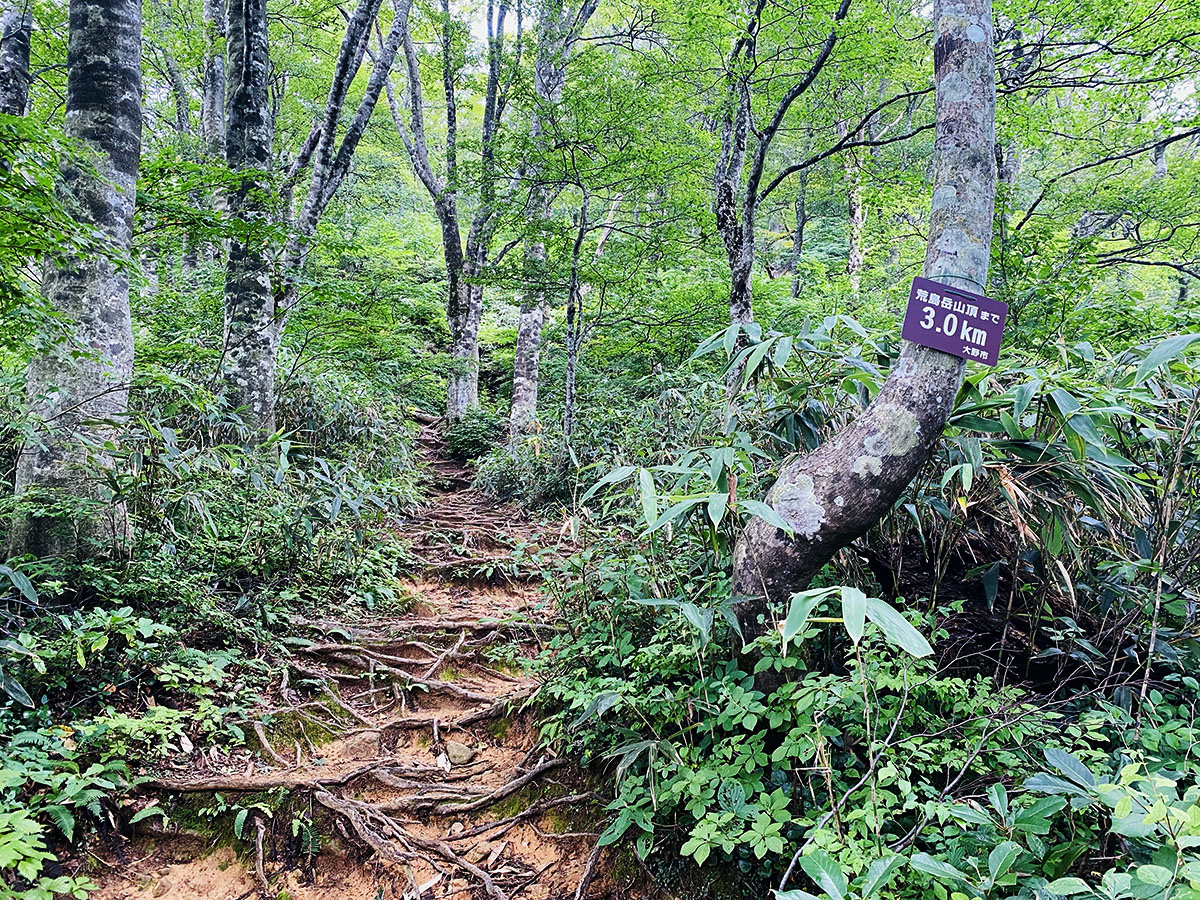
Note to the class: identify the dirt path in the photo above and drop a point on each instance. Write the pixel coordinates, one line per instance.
(430, 781)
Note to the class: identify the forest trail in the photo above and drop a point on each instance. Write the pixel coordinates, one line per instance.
(430, 782)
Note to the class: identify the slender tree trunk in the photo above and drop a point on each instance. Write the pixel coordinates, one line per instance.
(856, 214)
(559, 27)
(527, 355)
(464, 304)
(574, 329)
(213, 89)
(834, 494)
(78, 398)
(251, 332)
(798, 234)
(16, 23)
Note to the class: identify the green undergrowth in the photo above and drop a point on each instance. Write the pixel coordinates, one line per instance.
(165, 644)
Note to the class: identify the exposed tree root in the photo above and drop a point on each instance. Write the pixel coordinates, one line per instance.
(359, 814)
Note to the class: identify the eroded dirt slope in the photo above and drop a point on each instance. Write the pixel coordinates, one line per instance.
(431, 781)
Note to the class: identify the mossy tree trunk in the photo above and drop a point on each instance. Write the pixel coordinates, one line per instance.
(78, 391)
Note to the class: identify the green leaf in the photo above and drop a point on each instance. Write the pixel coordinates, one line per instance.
(674, 512)
(611, 478)
(825, 871)
(998, 796)
(15, 689)
(1001, 859)
(923, 862)
(716, 507)
(20, 582)
(1022, 395)
(649, 496)
(970, 815)
(153, 810)
(896, 628)
(239, 822)
(783, 349)
(879, 873)
(1159, 876)
(1171, 348)
(799, 609)
(1070, 766)
(63, 819)
(767, 514)
(854, 612)
(1065, 887)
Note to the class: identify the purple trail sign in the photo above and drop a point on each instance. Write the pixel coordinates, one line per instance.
(955, 321)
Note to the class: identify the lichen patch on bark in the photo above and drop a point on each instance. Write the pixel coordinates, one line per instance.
(798, 505)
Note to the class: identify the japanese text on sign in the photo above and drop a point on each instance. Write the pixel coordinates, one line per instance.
(954, 321)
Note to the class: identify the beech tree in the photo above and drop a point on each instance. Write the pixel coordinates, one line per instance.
(16, 21)
(560, 25)
(250, 347)
(78, 391)
(464, 264)
(256, 309)
(834, 494)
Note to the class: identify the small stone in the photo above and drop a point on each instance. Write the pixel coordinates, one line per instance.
(162, 887)
(460, 754)
(361, 746)
(479, 852)
(456, 828)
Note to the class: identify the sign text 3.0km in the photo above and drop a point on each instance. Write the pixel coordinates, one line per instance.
(955, 321)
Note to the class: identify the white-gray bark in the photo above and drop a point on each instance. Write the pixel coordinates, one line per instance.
(79, 390)
(16, 23)
(248, 360)
(736, 204)
(560, 25)
(212, 92)
(834, 494)
(798, 234)
(255, 311)
(464, 265)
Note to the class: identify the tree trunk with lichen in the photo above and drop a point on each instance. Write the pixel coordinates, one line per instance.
(78, 392)
(834, 494)
(559, 27)
(251, 329)
(16, 24)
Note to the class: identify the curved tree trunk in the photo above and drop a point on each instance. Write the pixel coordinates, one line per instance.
(834, 494)
(76, 398)
(16, 23)
(251, 336)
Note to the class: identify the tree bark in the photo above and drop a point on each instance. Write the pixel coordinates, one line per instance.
(251, 336)
(574, 323)
(734, 204)
(212, 99)
(255, 313)
(77, 399)
(855, 214)
(464, 302)
(834, 494)
(559, 27)
(798, 234)
(16, 24)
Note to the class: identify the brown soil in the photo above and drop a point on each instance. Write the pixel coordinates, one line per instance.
(432, 781)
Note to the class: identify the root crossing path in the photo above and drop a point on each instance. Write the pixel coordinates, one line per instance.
(399, 760)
